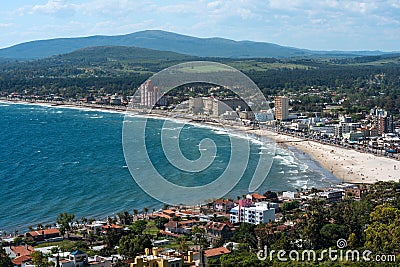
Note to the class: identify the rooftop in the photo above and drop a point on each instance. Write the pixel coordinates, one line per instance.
(22, 250)
(50, 231)
(216, 252)
(19, 260)
(256, 196)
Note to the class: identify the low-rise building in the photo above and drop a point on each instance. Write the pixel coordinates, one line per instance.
(216, 230)
(154, 258)
(290, 195)
(182, 227)
(255, 197)
(18, 251)
(331, 195)
(223, 205)
(353, 136)
(354, 191)
(203, 257)
(41, 235)
(79, 258)
(99, 261)
(22, 261)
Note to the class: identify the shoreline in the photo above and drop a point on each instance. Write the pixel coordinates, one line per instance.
(346, 165)
(246, 132)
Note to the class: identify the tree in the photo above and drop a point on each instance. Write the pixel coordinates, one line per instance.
(183, 246)
(131, 245)
(84, 220)
(64, 220)
(39, 260)
(330, 233)
(128, 217)
(5, 261)
(145, 210)
(246, 234)
(383, 234)
(160, 221)
(135, 212)
(18, 240)
(286, 206)
(138, 227)
(270, 195)
(352, 241)
(317, 217)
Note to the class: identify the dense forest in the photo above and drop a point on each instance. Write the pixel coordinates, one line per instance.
(365, 82)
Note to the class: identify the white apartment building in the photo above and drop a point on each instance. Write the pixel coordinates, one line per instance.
(261, 212)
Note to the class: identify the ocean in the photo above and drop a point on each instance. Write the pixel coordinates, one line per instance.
(55, 159)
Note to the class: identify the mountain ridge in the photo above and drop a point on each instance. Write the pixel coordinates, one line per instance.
(169, 41)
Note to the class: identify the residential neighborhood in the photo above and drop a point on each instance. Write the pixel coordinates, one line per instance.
(178, 236)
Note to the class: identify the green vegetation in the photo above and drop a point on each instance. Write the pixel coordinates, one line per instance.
(311, 83)
(132, 245)
(286, 206)
(65, 220)
(372, 223)
(40, 260)
(5, 261)
(383, 234)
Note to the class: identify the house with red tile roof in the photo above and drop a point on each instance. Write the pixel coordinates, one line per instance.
(170, 213)
(41, 235)
(216, 252)
(216, 230)
(182, 227)
(213, 253)
(19, 261)
(111, 226)
(18, 251)
(255, 197)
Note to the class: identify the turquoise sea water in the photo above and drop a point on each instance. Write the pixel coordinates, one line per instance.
(68, 160)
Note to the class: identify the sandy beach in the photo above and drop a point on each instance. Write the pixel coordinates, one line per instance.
(346, 164)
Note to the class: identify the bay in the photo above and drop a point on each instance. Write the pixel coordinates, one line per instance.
(71, 160)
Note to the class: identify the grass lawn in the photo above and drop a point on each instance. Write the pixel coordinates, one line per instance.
(151, 228)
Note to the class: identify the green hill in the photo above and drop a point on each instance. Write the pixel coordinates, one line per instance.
(167, 41)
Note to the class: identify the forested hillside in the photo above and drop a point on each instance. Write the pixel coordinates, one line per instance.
(364, 82)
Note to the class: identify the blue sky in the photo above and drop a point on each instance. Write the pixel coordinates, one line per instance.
(312, 24)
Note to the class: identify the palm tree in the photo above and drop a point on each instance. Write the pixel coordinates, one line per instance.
(127, 217)
(121, 217)
(145, 209)
(84, 220)
(135, 212)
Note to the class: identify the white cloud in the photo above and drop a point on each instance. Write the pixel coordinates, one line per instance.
(289, 22)
(6, 25)
(51, 8)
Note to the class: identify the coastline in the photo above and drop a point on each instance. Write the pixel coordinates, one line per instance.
(345, 164)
